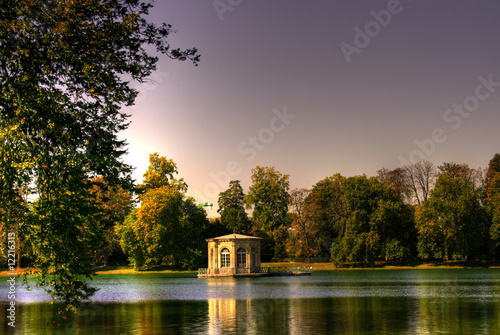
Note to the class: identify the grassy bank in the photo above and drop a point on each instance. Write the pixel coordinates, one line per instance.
(127, 270)
(392, 266)
(117, 270)
(114, 270)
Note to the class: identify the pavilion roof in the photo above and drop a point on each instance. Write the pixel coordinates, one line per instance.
(234, 237)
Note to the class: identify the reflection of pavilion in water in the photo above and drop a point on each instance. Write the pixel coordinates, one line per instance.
(229, 315)
(259, 316)
(245, 311)
(225, 317)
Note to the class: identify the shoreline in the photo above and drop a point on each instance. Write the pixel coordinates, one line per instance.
(109, 270)
(126, 270)
(393, 266)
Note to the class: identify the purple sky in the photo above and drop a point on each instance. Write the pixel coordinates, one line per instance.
(295, 85)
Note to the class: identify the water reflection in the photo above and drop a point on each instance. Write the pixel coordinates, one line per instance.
(359, 302)
(311, 316)
(456, 301)
(181, 317)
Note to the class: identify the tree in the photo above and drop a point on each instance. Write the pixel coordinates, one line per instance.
(14, 207)
(269, 197)
(493, 201)
(398, 179)
(115, 204)
(494, 210)
(303, 234)
(215, 228)
(455, 170)
(493, 168)
(167, 228)
(325, 211)
(376, 224)
(232, 210)
(192, 248)
(161, 172)
(452, 222)
(64, 77)
(419, 179)
(129, 240)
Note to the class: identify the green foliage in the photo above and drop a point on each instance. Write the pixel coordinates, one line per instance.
(304, 233)
(376, 224)
(267, 243)
(325, 210)
(232, 210)
(216, 228)
(269, 197)
(394, 250)
(64, 227)
(493, 208)
(493, 171)
(161, 172)
(236, 220)
(430, 236)
(191, 246)
(114, 203)
(405, 180)
(452, 222)
(356, 248)
(159, 221)
(167, 228)
(66, 68)
(129, 241)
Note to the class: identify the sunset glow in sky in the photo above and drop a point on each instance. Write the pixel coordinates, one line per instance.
(319, 87)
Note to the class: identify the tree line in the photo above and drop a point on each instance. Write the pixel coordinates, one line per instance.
(419, 211)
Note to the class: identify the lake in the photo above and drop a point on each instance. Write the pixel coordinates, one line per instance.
(447, 301)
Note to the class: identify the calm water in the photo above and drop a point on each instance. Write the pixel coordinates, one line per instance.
(340, 302)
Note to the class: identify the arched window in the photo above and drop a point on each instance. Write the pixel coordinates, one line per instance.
(241, 258)
(225, 260)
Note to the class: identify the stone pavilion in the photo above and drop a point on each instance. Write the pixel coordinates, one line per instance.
(232, 255)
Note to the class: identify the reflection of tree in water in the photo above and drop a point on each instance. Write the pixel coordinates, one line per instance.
(340, 302)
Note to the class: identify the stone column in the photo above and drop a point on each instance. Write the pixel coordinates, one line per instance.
(210, 255)
(257, 255)
(233, 255)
